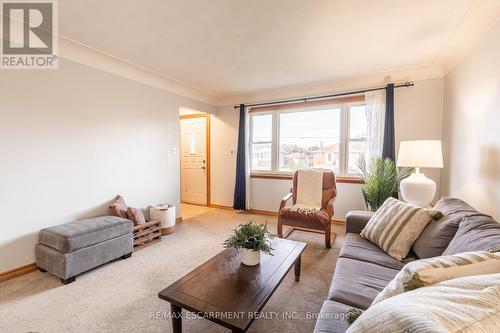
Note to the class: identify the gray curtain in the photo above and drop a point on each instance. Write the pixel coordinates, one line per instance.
(389, 146)
(239, 201)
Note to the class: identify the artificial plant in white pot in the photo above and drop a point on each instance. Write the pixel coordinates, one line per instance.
(250, 239)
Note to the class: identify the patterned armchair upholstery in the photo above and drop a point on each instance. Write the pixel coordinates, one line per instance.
(319, 221)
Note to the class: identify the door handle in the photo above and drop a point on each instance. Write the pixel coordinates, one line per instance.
(203, 167)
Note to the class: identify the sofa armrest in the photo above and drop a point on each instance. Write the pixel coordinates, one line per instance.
(356, 220)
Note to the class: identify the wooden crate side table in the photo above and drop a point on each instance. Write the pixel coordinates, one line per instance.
(147, 234)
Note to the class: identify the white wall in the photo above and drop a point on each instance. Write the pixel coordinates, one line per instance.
(224, 139)
(471, 126)
(418, 115)
(73, 138)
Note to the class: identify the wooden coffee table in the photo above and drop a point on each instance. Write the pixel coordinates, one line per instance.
(231, 294)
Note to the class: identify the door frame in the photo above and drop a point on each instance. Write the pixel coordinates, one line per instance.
(207, 149)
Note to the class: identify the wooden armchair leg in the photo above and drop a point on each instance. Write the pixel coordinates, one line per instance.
(280, 228)
(328, 236)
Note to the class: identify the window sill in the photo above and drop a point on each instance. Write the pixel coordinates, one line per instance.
(289, 176)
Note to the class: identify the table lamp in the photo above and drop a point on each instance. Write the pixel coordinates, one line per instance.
(417, 189)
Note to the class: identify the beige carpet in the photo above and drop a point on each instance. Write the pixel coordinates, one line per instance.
(121, 296)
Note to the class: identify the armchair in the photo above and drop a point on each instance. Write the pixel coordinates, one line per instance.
(319, 221)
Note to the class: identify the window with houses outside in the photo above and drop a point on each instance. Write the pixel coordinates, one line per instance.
(329, 137)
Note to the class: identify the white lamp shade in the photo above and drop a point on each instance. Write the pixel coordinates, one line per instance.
(420, 154)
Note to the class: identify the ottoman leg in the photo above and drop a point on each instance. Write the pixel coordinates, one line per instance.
(68, 280)
(42, 270)
(128, 255)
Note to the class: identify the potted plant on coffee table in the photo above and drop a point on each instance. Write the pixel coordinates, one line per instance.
(250, 239)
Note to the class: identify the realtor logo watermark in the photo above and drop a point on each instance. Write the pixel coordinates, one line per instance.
(29, 34)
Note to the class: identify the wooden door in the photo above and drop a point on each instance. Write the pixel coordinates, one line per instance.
(194, 160)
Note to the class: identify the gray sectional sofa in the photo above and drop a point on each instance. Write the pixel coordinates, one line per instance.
(363, 269)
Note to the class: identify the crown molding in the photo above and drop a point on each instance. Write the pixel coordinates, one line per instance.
(481, 16)
(85, 55)
(399, 75)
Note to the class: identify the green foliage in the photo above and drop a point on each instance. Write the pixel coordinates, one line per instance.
(381, 180)
(252, 236)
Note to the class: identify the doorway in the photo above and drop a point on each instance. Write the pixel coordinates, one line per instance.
(195, 158)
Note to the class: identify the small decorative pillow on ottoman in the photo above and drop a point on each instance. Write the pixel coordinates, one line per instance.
(118, 207)
(395, 226)
(135, 215)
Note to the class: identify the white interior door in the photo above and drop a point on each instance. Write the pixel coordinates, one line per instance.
(194, 160)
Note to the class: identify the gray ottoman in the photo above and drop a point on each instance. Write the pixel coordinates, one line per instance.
(69, 249)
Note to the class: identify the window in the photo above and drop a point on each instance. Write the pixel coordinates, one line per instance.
(261, 142)
(306, 138)
(357, 137)
(326, 136)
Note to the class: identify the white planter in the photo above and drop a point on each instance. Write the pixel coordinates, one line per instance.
(166, 214)
(250, 257)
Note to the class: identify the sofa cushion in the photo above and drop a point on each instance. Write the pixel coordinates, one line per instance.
(436, 236)
(455, 207)
(318, 218)
(357, 283)
(478, 232)
(356, 247)
(395, 226)
(75, 235)
(332, 318)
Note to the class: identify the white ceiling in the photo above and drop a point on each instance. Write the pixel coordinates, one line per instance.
(230, 47)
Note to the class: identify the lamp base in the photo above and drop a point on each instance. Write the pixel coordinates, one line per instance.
(418, 190)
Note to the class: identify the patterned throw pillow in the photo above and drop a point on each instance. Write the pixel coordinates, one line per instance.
(425, 272)
(135, 215)
(118, 207)
(395, 226)
(467, 305)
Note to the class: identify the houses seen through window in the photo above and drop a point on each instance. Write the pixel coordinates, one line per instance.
(357, 137)
(328, 136)
(261, 142)
(307, 138)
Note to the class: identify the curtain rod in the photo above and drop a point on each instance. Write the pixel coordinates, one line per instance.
(306, 99)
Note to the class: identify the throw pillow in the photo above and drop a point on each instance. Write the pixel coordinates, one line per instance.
(135, 215)
(477, 232)
(436, 236)
(467, 304)
(395, 226)
(118, 207)
(424, 272)
(454, 206)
